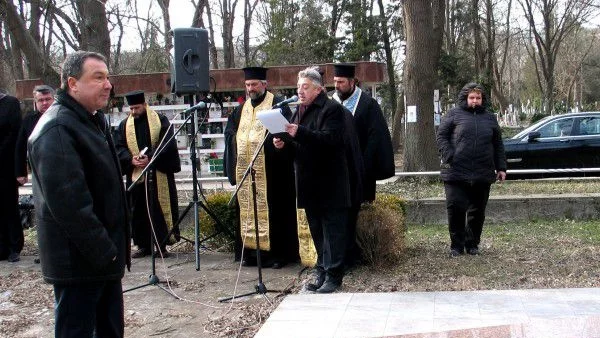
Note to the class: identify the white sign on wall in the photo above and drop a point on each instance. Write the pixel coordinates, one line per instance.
(411, 114)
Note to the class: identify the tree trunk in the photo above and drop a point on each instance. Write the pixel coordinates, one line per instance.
(213, 48)
(23, 41)
(93, 26)
(168, 37)
(422, 55)
(228, 16)
(387, 46)
(248, 12)
(397, 125)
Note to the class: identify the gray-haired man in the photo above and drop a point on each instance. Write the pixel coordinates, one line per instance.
(322, 176)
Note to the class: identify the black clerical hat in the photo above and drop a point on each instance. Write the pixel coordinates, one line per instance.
(344, 70)
(135, 97)
(255, 73)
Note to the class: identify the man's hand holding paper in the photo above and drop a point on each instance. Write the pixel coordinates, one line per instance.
(277, 124)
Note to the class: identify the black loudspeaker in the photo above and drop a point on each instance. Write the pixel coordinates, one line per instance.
(190, 61)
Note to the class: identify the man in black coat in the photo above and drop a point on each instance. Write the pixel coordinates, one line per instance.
(80, 204)
(372, 130)
(276, 194)
(322, 176)
(43, 97)
(470, 143)
(374, 139)
(145, 128)
(11, 232)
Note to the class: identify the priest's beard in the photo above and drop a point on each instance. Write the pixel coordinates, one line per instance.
(345, 95)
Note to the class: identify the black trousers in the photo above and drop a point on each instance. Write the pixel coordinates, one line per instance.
(352, 249)
(466, 203)
(328, 229)
(11, 231)
(89, 310)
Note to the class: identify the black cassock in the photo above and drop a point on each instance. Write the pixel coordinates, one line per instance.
(375, 143)
(281, 191)
(168, 163)
(11, 232)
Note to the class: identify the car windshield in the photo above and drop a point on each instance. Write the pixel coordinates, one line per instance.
(532, 127)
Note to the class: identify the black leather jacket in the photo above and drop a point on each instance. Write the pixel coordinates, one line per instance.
(80, 200)
(470, 142)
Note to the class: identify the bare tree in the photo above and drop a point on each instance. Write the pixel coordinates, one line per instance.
(198, 22)
(93, 26)
(498, 54)
(549, 23)
(168, 37)
(227, 11)
(387, 46)
(424, 23)
(249, 7)
(23, 41)
(577, 47)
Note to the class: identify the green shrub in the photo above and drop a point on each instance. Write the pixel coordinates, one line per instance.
(381, 230)
(217, 204)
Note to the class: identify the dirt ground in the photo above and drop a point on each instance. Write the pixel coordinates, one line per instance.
(194, 310)
(531, 255)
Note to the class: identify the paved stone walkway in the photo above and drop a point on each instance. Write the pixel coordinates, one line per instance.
(573, 313)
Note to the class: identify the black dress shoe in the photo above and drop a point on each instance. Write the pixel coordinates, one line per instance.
(329, 287)
(266, 263)
(319, 281)
(278, 264)
(249, 262)
(473, 251)
(455, 253)
(140, 253)
(14, 257)
(164, 252)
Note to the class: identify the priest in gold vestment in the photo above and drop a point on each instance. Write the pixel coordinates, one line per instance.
(276, 193)
(145, 128)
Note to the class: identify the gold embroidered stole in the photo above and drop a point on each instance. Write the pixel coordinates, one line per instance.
(162, 184)
(250, 134)
(308, 252)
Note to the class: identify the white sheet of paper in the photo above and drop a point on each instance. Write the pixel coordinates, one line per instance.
(272, 120)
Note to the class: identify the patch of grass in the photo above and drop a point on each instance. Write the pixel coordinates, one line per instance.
(417, 188)
(541, 254)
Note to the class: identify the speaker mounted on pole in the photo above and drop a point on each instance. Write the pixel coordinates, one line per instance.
(190, 61)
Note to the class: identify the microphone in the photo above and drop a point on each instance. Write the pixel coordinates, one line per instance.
(285, 102)
(201, 105)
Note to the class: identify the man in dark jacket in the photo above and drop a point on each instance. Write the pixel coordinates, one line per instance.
(145, 128)
(322, 176)
(470, 143)
(43, 97)
(80, 203)
(11, 232)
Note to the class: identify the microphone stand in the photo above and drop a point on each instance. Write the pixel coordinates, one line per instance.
(153, 278)
(195, 200)
(148, 173)
(260, 287)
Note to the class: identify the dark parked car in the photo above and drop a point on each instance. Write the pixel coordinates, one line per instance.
(556, 142)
